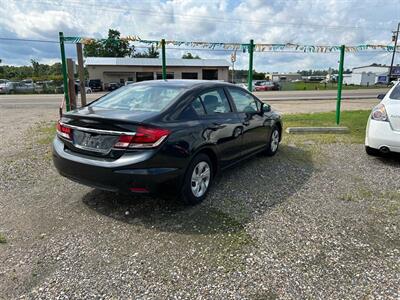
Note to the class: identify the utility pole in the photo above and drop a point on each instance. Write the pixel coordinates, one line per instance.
(81, 72)
(64, 71)
(233, 59)
(396, 36)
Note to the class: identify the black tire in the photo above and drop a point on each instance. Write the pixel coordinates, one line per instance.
(372, 151)
(187, 195)
(270, 149)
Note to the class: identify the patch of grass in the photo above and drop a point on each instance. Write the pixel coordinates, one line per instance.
(356, 121)
(347, 197)
(46, 131)
(311, 86)
(360, 194)
(3, 239)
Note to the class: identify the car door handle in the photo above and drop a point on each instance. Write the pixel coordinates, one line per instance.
(246, 123)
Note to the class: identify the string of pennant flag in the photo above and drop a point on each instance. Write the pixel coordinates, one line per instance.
(243, 47)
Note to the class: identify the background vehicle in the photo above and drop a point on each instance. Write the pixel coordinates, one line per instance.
(88, 90)
(129, 82)
(24, 86)
(96, 85)
(267, 86)
(164, 136)
(7, 87)
(112, 86)
(383, 128)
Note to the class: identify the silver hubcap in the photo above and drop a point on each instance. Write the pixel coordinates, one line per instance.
(200, 179)
(274, 140)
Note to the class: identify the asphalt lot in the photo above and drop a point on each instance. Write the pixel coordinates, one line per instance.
(313, 222)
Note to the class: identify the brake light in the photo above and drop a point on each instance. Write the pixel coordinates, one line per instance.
(145, 137)
(123, 141)
(379, 113)
(64, 131)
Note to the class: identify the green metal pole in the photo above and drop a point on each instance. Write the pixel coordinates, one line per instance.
(64, 71)
(250, 75)
(340, 83)
(164, 64)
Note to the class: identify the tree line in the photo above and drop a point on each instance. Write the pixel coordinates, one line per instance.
(35, 71)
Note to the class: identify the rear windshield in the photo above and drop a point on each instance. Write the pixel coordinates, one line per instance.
(140, 98)
(395, 95)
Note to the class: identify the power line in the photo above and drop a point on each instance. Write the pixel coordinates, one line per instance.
(27, 40)
(213, 19)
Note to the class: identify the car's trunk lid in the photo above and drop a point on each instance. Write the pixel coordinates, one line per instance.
(95, 131)
(393, 111)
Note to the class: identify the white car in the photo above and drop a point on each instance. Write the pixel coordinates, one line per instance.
(383, 128)
(6, 87)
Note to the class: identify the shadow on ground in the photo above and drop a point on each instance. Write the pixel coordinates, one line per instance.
(237, 196)
(392, 159)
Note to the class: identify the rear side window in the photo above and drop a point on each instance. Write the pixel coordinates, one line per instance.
(244, 102)
(395, 93)
(193, 110)
(215, 102)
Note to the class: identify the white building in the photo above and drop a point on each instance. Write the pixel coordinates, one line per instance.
(121, 69)
(367, 75)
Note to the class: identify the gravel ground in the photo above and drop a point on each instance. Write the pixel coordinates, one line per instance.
(313, 222)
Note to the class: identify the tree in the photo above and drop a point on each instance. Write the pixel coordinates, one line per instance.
(112, 46)
(35, 66)
(190, 56)
(258, 75)
(151, 52)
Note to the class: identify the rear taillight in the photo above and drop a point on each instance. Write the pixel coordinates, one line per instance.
(379, 113)
(123, 141)
(145, 137)
(64, 131)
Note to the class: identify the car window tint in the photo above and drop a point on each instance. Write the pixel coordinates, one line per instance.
(198, 107)
(137, 97)
(193, 110)
(244, 102)
(395, 94)
(215, 102)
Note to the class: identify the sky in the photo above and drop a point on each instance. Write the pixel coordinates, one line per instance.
(315, 22)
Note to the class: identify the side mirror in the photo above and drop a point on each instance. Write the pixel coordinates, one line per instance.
(381, 96)
(265, 108)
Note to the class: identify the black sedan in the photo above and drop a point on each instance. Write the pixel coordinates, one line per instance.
(164, 136)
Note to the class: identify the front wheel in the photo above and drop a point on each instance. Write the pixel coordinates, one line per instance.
(198, 180)
(273, 142)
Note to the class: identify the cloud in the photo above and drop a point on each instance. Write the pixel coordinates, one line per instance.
(298, 21)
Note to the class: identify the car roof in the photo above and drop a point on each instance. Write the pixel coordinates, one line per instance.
(186, 83)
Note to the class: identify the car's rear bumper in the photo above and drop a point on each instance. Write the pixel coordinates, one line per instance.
(119, 175)
(380, 134)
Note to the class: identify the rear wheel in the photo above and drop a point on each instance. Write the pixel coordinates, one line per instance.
(198, 180)
(273, 142)
(372, 151)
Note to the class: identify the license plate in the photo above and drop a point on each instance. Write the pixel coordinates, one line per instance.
(94, 142)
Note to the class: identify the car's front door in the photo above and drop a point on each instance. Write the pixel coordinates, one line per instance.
(222, 125)
(254, 123)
